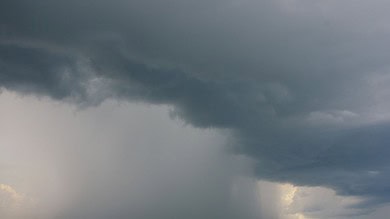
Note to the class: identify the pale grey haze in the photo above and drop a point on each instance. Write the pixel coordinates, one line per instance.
(194, 109)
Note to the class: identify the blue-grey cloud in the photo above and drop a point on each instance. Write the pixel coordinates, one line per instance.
(303, 84)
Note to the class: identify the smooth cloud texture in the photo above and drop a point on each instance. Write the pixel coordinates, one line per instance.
(302, 83)
(117, 161)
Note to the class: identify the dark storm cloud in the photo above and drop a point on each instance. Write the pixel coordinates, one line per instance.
(34, 70)
(302, 83)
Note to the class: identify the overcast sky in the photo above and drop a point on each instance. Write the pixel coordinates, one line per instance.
(190, 109)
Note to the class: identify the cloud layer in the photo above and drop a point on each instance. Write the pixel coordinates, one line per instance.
(303, 84)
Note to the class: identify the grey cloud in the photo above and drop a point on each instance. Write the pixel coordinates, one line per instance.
(282, 74)
(121, 161)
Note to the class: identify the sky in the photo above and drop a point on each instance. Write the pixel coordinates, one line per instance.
(151, 109)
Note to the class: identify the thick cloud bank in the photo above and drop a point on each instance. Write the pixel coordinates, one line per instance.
(303, 84)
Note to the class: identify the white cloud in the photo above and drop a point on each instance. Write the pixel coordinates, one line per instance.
(13, 204)
(286, 201)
